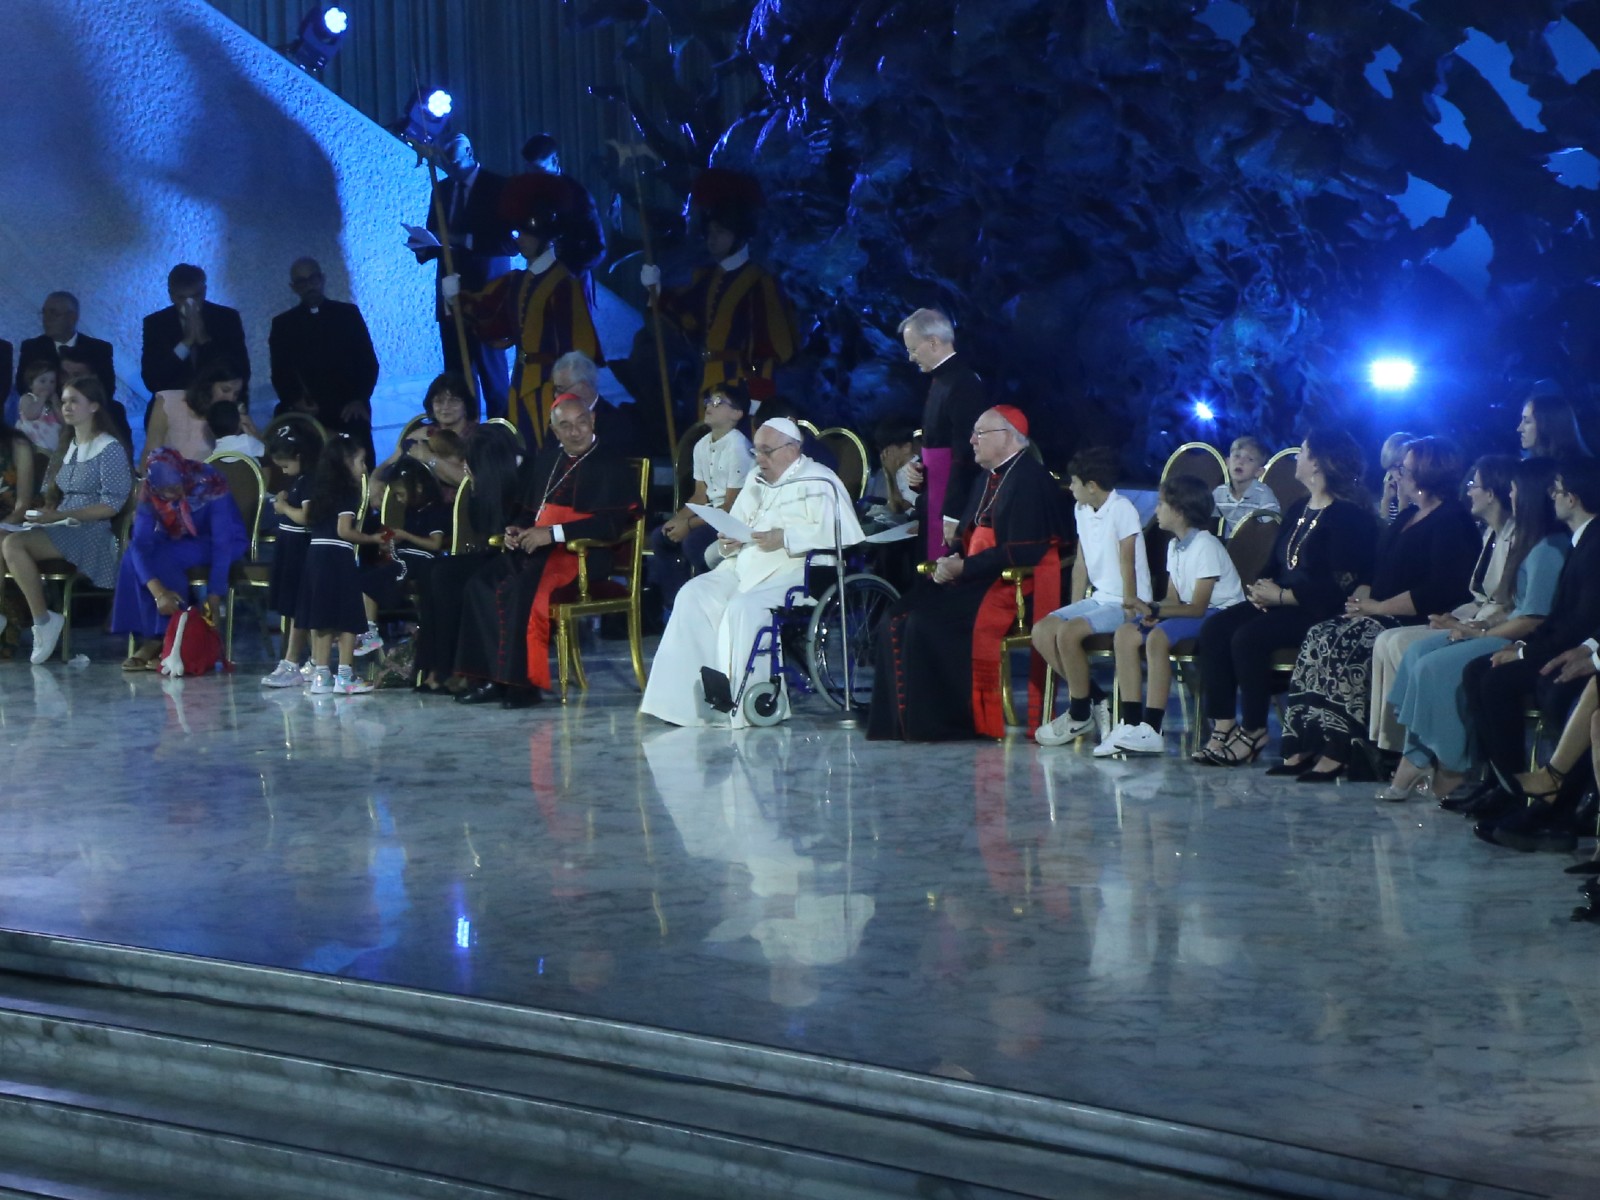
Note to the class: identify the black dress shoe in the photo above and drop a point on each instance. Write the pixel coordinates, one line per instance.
(1529, 828)
(521, 697)
(1285, 770)
(1315, 776)
(1587, 912)
(1590, 888)
(1492, 806)
(483, 693)
(1465, 798)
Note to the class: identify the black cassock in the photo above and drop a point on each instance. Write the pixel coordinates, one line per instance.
(923, 682)
(497, 600)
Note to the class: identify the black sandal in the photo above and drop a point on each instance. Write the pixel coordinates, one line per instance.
(1558, 777)
(1203, 755)
(1230, 756)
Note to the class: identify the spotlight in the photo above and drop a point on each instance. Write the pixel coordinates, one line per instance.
(1392, 374)
(1204, 411)
(321, 34)
(427, 116)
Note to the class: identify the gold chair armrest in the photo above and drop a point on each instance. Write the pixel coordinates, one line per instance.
(1016, 574)
(926, 568)
(581, 547)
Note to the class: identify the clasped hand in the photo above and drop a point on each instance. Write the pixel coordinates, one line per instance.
(1576, 663)
(529, 540)
(948, 569)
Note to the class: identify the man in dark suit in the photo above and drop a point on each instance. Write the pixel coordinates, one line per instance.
(481, 249)
(60, 317)
(955, 401)
(194, 333)
(322, 357)
(1498, 688)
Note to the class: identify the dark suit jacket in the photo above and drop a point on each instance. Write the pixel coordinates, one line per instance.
(1575, 611)
(607, 489)
(326, 357)
(163, 371)
(955, 401)
(96, 353)
(493, 247)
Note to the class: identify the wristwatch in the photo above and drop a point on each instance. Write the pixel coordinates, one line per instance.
(1155, 612)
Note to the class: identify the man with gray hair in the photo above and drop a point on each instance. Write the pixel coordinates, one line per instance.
(955, 399)
(59, 315)
(791, 505)
(575, 372)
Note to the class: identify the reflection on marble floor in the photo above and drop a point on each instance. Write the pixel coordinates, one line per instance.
(1200, 945)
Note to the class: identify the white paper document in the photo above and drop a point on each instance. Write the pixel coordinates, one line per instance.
(895, 533)
(64, 522)
(726, 525)
(418, 238)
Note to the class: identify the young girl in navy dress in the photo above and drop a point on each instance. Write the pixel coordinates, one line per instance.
(330, 585)
(294, 454)
(418, 540)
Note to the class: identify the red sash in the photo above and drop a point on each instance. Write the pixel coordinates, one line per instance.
(996, 618)
(560, 569)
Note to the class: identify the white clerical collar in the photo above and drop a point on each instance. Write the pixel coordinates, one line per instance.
(736, 260)
(544, 262)
(70, 342)
(941, 362)
(1005, 464)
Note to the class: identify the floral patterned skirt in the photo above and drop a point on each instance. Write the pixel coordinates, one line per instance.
(1332, 687)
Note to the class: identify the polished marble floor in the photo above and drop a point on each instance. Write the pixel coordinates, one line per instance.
(1211, 947)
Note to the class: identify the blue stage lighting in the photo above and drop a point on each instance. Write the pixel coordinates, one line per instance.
(440, 104)
(1392, 374)
(1204, 411)
(321, 34)
(427, 116)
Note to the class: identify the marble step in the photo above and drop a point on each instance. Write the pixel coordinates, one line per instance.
(679, 1104)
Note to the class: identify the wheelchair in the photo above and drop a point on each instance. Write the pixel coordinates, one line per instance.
(804, 647)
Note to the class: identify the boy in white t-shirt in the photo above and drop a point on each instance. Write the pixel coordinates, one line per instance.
(722, 461)
(1201, 580)
(1110, 573)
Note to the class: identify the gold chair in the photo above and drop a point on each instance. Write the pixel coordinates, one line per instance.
(507, 424)
(1250, 547)
(1278, 475)
(851, 454)
(630, 565)
(463, 538)
(249, 494)
(1202, 461)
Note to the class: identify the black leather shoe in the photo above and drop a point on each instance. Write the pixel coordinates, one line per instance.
(521, 697)
(1590, 888)
(1587, 912)
(1492, 807)
(1285, 770)
(1592, 867)
(1531, 827)
(483, 693)
(1465, 798)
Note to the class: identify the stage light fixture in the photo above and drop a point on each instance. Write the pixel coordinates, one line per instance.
(1204, 411)
(427, 117)
(321, 34)
(1392, 375)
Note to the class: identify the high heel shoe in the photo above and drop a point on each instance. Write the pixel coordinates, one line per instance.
(1214, 745)
(1556, 779)
(1421, 786)
(1239, 748)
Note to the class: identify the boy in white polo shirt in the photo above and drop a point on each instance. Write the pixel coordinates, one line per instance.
(1110, 572)
(1201, 580)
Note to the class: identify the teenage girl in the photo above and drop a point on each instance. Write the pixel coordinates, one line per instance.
(419, 539)
(330, 585)
(294, 454)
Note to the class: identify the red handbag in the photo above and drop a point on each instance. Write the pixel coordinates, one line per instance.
(192, 645)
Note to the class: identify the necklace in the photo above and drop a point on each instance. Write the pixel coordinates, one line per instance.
(1302, 531)
(557, 480)
(992, 495)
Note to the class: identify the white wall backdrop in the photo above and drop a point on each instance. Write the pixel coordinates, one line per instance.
(151, 132)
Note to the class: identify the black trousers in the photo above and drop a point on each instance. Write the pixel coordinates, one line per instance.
(1236, 649)
(1497, 701)
(439, 607)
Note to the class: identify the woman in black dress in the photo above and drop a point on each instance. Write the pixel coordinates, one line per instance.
(1323, 553)
(1423, 566)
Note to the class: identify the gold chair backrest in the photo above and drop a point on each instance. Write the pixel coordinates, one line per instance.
(1199, 459)
(248, 489)
(463, 538)
(1279, 476)
(1250, 547)
(851, 454)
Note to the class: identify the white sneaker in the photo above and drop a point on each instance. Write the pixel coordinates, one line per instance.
(1109, 744)
(284, 675)
(349, 685)
(45, 638)
(1100, 714)
(1062, 730)
(367, 643)
(1137, 739)
(321, 684)
(308, 670)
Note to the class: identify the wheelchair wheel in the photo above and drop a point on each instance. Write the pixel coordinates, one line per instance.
(761, 703)
(867, 599)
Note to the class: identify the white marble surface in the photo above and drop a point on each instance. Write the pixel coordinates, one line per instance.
(1202, 946)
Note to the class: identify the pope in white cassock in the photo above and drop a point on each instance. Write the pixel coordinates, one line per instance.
(789, 502)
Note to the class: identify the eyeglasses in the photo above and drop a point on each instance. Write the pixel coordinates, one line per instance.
(718, 402)
(982, 432)
(769, 451)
